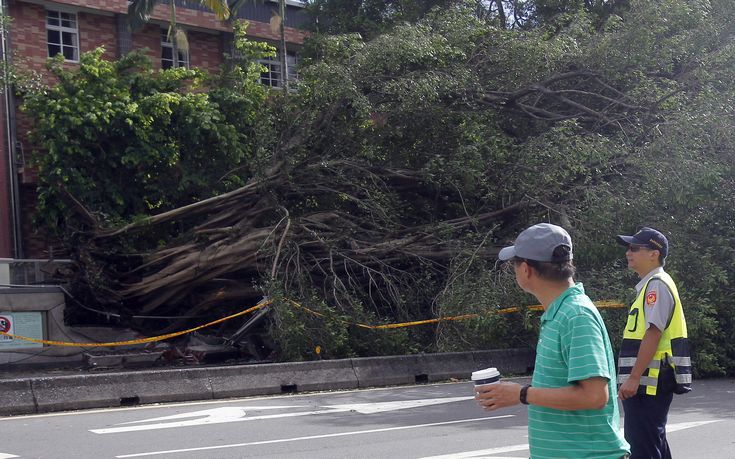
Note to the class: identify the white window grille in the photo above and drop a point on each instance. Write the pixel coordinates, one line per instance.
(272, 76)
(298, 3)
(167, 53)
(62, 35)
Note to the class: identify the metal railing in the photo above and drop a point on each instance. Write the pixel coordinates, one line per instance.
(15, 271)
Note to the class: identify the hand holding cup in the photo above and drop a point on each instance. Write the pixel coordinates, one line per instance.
(492, 394)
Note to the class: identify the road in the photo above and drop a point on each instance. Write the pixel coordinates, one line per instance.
(439, 421)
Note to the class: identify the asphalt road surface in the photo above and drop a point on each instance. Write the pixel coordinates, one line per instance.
(430, 421)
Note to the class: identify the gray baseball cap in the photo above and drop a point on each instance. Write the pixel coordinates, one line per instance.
(538, 243)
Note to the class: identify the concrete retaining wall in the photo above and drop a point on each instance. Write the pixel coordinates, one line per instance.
(386, 371)
(115, 389)
(508, 361)
(16, 397)
(39, 394)
(275, 378)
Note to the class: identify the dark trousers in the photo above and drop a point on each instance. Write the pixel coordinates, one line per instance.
(645, 425)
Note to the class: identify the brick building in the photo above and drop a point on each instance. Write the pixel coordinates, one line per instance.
(40, 29)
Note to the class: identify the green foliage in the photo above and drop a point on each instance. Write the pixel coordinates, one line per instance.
(407, 99)
(299, 332)
(126, 141)
(482, 290)
(369, 17)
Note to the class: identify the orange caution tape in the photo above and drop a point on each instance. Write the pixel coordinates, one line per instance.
(151, 339)
(538, 307)
(264, 303)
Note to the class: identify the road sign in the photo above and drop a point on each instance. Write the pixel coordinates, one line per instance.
(28, 324)
(6, 325)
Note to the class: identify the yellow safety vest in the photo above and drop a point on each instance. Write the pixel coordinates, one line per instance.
(673, 347)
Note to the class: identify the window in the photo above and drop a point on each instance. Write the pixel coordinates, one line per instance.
(273, 75)
(298, 3)
(167, 53)
(62, 35)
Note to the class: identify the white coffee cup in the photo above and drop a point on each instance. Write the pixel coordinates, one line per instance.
(486, 376)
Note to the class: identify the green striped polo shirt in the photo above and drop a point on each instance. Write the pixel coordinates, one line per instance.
(573, 345)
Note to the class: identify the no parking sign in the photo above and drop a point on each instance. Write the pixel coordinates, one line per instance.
(23, 323)
(6, 326)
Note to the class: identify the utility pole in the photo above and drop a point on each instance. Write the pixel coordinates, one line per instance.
(284, 61)
(8, 106)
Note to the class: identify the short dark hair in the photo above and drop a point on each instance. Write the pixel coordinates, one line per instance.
(553, 271)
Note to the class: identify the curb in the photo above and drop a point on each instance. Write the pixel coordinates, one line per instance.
(277, 378)
(42, 394)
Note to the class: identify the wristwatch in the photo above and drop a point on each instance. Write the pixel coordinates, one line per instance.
(524, 394)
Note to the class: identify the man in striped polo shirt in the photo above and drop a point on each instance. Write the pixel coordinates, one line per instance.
(573, 410)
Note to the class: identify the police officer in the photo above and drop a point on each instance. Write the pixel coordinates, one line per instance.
(654, 358)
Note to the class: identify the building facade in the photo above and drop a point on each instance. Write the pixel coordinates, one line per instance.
(40, 29)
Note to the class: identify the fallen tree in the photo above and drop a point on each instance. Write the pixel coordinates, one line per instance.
(383, 186)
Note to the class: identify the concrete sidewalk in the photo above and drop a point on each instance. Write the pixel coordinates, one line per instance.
(28, 392)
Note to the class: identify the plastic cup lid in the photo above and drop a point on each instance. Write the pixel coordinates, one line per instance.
(487, 373)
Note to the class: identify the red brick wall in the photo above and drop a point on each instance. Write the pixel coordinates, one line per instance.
(28, 32)
(96, 30)
(189, 17)
(205, 51)
(28, 35)
(263, 30)
(149, 37)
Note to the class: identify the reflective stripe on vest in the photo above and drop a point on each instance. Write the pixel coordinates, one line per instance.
(672, 350)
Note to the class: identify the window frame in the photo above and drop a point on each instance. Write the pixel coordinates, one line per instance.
(61, 29)
(274, 67)
(168, 44)
(296, 3)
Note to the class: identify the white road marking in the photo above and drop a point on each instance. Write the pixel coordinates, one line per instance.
(524, 447)
(7, 456)
(380, 407)
(688, 425)
(211, 417)
(239, 414)
(482, 452)
(224, 413)
(312, 437)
